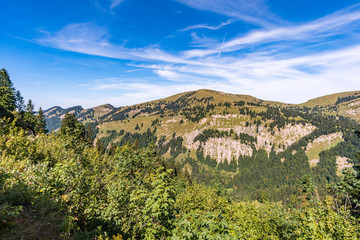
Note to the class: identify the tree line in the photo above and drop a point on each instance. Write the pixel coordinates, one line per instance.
(12, 105)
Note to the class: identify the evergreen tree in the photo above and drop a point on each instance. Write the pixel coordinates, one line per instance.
(7, 92)
(30, 107)
(29, 117)
(88, 134)
(20, 104)
(40, 122)
(99, 145)
(71, 126)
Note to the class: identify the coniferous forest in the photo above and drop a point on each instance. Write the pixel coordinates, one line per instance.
(60, 185)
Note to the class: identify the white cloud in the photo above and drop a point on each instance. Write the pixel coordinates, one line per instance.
(202, 41)
(205, 26)
(171, 75)
(91, 39)
(331, 25)
(254, 11)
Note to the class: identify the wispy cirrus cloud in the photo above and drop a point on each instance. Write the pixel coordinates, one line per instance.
(255, 11)
(338, 23)
(91, 39)
(202, 41)
(206, 26)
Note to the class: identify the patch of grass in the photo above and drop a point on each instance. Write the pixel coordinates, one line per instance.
(313, 153)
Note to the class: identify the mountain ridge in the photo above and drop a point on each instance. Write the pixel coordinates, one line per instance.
(322, 101)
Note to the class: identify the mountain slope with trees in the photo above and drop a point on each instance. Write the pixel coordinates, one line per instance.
(250, 146)
(61, 186)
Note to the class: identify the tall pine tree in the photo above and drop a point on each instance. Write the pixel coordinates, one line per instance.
(29, 117)
(40, 122)
(20, 104)
(7, 92)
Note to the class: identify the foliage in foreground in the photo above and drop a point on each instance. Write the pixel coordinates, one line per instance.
(54, 187)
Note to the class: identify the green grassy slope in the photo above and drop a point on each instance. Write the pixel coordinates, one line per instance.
(328, 99)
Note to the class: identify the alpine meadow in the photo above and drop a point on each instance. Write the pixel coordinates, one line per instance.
(180, 119)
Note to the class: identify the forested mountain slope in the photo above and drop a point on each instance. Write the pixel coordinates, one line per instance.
(345, 104)
(255, 148)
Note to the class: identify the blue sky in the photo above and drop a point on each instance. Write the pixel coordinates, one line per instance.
(92, 52)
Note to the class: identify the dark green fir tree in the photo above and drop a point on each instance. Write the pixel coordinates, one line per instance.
(29, 117)
(7, 92)
(40, 122)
